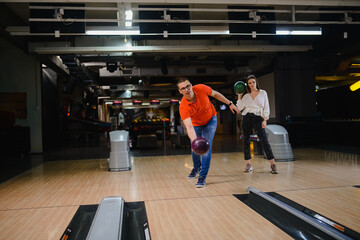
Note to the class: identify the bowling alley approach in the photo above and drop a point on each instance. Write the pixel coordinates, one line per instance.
(147, 120)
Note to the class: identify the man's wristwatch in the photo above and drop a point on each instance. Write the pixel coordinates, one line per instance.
(230, 103)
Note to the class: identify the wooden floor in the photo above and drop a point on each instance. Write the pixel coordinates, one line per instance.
(40, 203)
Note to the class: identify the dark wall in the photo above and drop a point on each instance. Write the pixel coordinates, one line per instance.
(295, 98)
(50, 109)
(295, 86)
(325, 118)
(338, 103)
(340, 111)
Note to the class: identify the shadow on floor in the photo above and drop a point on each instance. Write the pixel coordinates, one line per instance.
(13, 165)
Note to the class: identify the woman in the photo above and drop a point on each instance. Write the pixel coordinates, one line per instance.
(254, 105)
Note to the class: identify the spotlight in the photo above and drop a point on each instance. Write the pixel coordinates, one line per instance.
(111, 66)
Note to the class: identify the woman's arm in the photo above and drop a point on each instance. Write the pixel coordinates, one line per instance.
(240, 103)
(266, 110)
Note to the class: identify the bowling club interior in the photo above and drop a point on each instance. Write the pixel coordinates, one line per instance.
(74, 74)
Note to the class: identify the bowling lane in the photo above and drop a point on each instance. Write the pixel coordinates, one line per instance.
(341, 204)
(218, 217)
(35, 223)
(65, 183)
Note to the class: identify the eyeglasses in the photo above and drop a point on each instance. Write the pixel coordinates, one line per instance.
(185, 88)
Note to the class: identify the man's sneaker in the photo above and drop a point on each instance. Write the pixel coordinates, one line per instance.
(201, 182)
(248, 168)
(274, 169)
(194, 172)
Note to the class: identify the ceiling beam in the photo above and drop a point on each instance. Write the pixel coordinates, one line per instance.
(94, 77)
(172, 49)
(54, 63)
(235, 2)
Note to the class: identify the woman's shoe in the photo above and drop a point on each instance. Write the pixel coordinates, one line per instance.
(248, 168)
(274, 169)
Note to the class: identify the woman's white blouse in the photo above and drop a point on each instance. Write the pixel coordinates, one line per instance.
(258, 106)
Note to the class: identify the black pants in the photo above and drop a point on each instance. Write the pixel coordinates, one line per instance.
(251, 121)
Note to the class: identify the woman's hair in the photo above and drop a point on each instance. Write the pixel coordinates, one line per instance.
(248, 90)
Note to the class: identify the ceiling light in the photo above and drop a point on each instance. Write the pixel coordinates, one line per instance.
(331, 78)
(282, 32)
(355, 86)
(355, 65)
(209, 30)
(298, 31)
(305, 32)
(113, 32)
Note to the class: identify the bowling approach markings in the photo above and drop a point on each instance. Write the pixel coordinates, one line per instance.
(293, 218)
(112, 219)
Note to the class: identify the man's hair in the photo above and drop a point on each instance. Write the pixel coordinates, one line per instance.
(181, 79)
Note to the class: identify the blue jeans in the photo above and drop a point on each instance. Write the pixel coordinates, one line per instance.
(207, 131)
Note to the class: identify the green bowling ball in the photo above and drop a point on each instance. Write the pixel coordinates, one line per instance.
(239, 87)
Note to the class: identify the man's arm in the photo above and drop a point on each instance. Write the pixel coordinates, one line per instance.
(190, 129)
(222, 98)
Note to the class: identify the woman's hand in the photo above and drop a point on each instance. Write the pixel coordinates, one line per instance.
(263, 125)
(239, 95)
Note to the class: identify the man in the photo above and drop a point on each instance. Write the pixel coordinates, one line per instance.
(121, 120)
(199, 117)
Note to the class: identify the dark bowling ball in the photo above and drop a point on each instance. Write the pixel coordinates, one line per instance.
(200, 145)
(239, 87)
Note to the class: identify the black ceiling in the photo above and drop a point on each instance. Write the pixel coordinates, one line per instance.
(333, 52)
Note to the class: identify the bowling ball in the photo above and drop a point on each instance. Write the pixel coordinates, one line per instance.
(200, 145)
(239, 87)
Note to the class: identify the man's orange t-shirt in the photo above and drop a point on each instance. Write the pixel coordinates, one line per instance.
(202, 110)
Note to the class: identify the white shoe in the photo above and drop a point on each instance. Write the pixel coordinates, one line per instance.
(248, 168)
